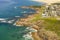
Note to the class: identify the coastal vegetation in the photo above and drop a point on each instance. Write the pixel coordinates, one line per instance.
(50, 23)
(48, 27)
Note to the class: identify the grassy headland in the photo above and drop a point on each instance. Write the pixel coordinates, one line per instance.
(50, 25)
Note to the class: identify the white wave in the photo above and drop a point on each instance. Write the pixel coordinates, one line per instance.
(16, 25)
(31, 29)
(24, 12)
(17, 16)
(15, 7)
(2, 19)
(5, 20)
(11, 21)
(28, 36)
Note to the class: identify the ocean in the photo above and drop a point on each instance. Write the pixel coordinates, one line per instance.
(10, 31)
(11, 10)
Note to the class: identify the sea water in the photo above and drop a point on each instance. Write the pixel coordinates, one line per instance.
(9, 31)
(9, 10)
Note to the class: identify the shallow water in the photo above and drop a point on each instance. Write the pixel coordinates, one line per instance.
(10, 10)
(10, 32)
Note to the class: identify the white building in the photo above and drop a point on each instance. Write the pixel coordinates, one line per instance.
(52, 10)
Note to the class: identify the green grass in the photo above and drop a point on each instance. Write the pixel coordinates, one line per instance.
(38, 16)
(52, 25)
(35, 18)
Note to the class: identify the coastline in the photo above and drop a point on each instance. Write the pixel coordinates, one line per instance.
(38, 25)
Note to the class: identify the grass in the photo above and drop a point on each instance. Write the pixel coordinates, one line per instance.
(38, 16)
(51, 23)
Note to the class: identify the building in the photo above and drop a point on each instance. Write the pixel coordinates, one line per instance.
(52, 10)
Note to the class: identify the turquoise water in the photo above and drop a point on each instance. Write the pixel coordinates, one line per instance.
(10, 32)
(8, 10)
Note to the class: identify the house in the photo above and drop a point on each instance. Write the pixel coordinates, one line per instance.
(52, 10)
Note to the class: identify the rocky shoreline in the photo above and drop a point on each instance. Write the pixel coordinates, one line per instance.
(41, 33)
